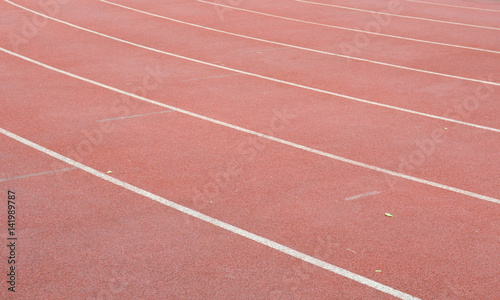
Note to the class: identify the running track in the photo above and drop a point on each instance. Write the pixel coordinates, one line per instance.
(251, 149)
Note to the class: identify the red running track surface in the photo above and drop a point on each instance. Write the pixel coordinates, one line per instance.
(156, 159)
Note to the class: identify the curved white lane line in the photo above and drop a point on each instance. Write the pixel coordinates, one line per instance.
(223, 225)
(301, 48)
(265, 77)
(348, 29)
(458, 6)
(399, 16)
(268, 137)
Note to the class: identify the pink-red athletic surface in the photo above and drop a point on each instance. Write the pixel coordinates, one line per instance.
(81, 237)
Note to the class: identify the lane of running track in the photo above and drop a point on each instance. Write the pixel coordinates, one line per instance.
(413, 9)
(80, 237)
(482, 68)
(419, 143)
(486, 5)
(442, 63)
(418, 29)
(311, 209)
(288, 169)
(267, 195)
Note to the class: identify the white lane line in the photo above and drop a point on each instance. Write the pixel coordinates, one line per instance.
(268, 137)
(36, 174)
(362, 195)
(300, 48)
(349, 29)
(265, 77)
(399, 16)
(135, 116)
(236, 230)
(449, 5)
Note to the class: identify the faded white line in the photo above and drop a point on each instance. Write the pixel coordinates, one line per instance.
(236, 230)
(135, 116)
(272, 138)
(303, 48)
(260, 76)
(349, 29)
(362, 195)
(400, 16)
(449, 5)
(37, 174)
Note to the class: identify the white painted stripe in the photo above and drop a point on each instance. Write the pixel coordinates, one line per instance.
(36, 174)
(349, 29)
(302, 48)
(400, 16)
(362, 195)
(236, 230)
(449, 5)
(265, 77)
(135, 116)
(272, 138)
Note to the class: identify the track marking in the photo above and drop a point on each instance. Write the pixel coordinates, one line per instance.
(362, 195)
(268, 137)
(223, 225)
(136, 116)
(441, 4)
(256, 75)
(298, 47)
(36, 174)
(349, 29)
(399, 16)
